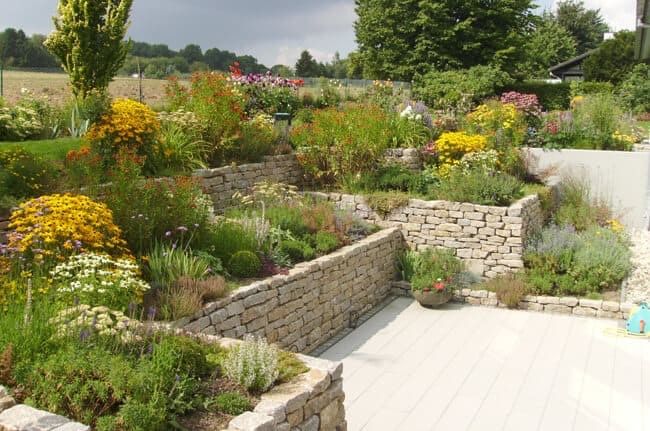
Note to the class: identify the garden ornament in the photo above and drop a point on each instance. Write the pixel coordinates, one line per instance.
(639, 321)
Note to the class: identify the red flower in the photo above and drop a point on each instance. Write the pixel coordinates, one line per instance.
(439, 286)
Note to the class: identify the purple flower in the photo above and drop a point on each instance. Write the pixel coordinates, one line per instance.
(151, 312)
(77, 244)
(84, 335)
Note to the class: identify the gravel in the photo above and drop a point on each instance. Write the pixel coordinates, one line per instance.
(638, 284)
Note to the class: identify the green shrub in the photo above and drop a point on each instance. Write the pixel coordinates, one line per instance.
(253, 364)
(297, 250)
(386, 202)
(510, 289)
(634, 91)
(577, 208)
(602, 259)
(393, 177)
(479, 187)
(342, 142)
(151, 211)
(325, 242)
(232, 403)
(585, 88)
(551, 96)
(459, 89)
(226, 238)
(244, 264)
(83, 387)
(25, 175)
(596, 119)
(288, 218)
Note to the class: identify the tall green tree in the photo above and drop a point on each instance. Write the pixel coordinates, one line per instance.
(547, 46)
(307, 66)
(586, 26)
(401, 38)
(89, 41)
(613, 60)
(192, 53)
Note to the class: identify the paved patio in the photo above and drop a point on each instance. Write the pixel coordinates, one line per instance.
(480, 368)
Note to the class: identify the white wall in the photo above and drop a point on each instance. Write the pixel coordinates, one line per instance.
(620, 178)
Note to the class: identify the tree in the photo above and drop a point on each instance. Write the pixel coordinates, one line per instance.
(399, 39)
(219, 60)
(549, 45)
(89, 41)
(613, 61)
(192, 53)
(307, 66)
(282, 70)
(585, 25)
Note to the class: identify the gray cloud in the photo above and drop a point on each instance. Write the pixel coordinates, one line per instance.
(274, 31)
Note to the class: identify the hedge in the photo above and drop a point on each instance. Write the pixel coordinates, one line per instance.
(551, 96)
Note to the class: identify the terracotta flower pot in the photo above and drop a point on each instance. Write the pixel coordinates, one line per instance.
(432, 298)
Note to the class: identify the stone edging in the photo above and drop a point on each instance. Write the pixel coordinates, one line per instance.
(23, 418)
(550, 304)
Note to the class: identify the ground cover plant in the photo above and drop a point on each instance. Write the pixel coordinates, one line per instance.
(583, 251)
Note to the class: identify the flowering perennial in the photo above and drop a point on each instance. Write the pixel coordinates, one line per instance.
(57, 226)
(253, 364)
(98, 279)
(85, 321)
(452, 146)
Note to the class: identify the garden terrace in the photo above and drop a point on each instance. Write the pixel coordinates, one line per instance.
(315, 300)
(311, 401)
(490, 239)
(221, 183)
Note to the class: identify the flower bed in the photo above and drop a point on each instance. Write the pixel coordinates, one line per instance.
(312, 400)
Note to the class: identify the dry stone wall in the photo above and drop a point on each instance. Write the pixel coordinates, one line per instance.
(407, 157)
(221, 183)
(489, 239)
(317, 299)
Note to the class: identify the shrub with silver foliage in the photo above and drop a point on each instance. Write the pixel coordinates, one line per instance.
(253, 364)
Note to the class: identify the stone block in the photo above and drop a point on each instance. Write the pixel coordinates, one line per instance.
(569, 301)
(251, 421)
(557, 308)
(548, 299)
(6, 402)
(22, 417)
(584, 311)
(611, 306)
(332, 415)
(311, 424)
(591, 303)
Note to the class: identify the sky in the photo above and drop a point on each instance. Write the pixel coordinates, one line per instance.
(274, 31)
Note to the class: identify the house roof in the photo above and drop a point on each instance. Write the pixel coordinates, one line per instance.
(572, 62)
(643, 29)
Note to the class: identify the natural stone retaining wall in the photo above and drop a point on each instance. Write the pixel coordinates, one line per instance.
(489, 239)
(551, 304)
(221, 183)
(407, 157)
(317, 299)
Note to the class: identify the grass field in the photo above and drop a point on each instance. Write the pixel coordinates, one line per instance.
(51, 149)
(55, 87)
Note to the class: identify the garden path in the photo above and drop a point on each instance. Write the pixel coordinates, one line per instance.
(480, 368)
(638, 284)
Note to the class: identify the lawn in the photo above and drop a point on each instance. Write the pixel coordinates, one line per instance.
(50, 149)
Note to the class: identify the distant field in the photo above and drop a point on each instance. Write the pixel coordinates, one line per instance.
(55, 87)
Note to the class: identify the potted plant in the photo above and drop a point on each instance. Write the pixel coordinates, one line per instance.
(432, 275)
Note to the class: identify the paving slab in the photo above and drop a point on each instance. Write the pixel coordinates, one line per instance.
(479, 368)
